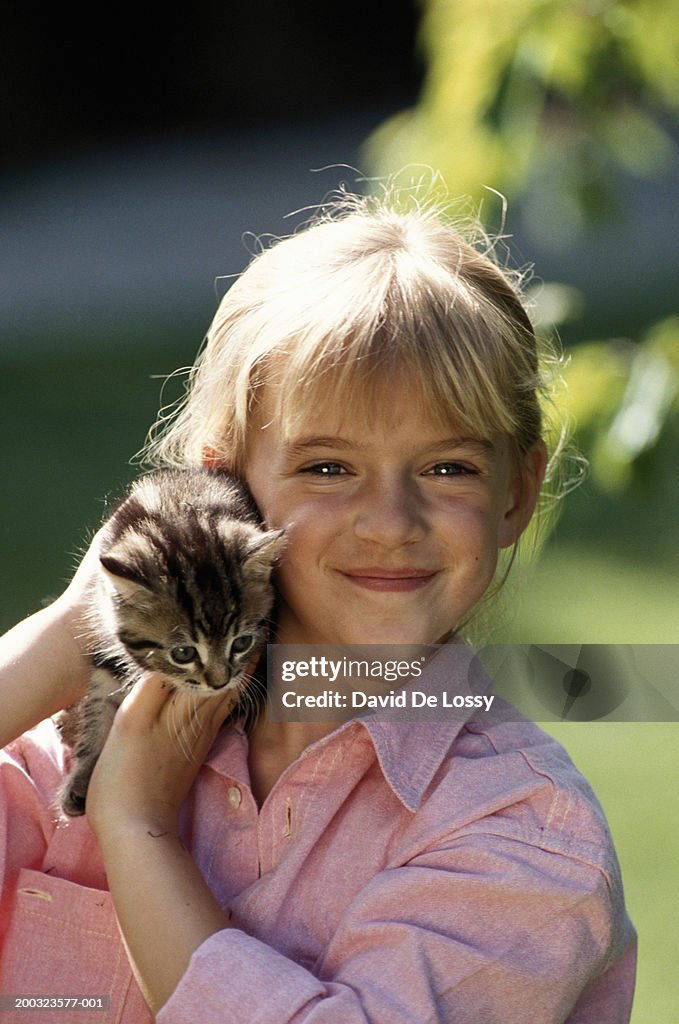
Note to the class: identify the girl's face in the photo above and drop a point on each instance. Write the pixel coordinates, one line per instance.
(393, 526)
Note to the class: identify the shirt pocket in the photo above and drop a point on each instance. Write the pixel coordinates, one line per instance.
(63, 940)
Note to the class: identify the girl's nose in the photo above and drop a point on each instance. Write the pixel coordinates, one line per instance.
(391, 515)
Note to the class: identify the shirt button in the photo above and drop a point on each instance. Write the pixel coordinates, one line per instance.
(234, 796)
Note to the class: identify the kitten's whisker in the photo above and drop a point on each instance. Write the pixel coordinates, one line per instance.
(187, 729)
(121, 689)
(193, 721)
(177, 733)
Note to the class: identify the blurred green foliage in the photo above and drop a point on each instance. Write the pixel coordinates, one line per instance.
(547, 99)
(624, 398)
(553, 103)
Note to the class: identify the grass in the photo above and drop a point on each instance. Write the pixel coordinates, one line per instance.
(584, 595)
(587, 595)
(632, 767)
(71, 417)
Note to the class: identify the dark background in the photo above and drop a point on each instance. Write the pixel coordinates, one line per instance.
(70, 80)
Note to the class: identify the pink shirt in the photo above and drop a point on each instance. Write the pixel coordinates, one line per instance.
(397, 872)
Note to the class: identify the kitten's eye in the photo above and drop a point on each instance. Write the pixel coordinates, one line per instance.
(242, 644)
(183, 655)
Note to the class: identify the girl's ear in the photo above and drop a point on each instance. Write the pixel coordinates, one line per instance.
(212, 461)
(524, 492)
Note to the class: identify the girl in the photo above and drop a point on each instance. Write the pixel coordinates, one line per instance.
(376, 382)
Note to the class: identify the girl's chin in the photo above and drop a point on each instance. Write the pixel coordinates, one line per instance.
(389, 637)
(378, 631)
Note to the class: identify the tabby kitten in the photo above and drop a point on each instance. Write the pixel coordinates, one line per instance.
(185, 591)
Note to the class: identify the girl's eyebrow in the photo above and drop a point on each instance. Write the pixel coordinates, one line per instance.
(477, 444)
(304, 445)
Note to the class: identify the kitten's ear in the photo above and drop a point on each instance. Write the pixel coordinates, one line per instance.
(263, 551)
(124, 575)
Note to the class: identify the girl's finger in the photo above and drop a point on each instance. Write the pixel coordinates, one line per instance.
(146, 699)
(152, 696)
(206, 710)
(213, 708)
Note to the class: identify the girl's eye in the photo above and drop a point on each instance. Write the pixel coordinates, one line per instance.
(183, 655)
(325, 469)
(452, 469)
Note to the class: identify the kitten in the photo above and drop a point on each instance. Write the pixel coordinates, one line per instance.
(185, 591)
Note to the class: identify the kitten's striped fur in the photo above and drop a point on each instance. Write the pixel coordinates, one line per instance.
(185, 591)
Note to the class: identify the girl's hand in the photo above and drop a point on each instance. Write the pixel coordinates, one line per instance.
(73, 603)
(157, 744)
(44, 665)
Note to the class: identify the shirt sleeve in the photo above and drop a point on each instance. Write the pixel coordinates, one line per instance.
(28, 779)
(486, 929)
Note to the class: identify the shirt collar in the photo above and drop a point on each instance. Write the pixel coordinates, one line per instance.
(412, 745)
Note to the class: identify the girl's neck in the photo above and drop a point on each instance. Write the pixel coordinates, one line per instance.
(275, 745)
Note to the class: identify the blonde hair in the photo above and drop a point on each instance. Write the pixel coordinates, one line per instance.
(370, 287)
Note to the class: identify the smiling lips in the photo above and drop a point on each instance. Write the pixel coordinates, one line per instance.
(403, 580)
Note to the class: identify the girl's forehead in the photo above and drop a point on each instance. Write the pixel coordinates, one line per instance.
(337, 409)
(326, 410)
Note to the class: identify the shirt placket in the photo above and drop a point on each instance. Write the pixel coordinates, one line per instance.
(276, 826)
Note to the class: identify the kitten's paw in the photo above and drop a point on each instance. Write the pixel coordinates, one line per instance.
(72, 799)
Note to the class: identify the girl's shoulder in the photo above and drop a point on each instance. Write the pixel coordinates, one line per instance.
(510, 777)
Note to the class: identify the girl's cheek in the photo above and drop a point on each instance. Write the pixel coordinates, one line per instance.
(312, 521)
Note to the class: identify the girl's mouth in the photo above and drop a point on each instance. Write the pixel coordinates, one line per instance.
(400, 580)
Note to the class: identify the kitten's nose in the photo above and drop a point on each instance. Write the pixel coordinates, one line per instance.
(214, 681)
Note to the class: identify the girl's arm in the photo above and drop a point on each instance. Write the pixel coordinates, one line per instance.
(42, 670)
(164, 908)
(156, 746)
(43, 666)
